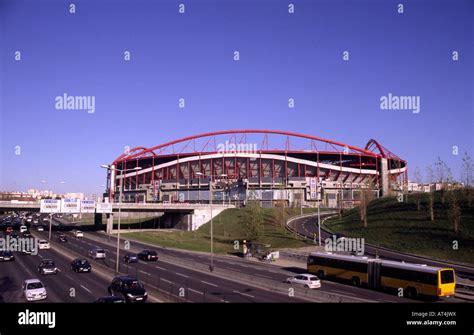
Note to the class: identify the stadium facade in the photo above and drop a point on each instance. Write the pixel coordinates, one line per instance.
(271, 167)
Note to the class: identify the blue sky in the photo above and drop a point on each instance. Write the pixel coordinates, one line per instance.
(190, 55)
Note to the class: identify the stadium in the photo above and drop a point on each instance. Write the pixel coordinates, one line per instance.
(268, 166)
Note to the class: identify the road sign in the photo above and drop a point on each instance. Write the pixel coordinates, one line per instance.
(313, 188)
(50, 206)
(70, 206)
(104, 207)
(87, 206)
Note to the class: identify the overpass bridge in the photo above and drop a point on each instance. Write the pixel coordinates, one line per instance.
(183, 216)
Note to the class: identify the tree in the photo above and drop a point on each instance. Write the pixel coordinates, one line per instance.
(454, 211)
(418, 180)
(429, 179)
(443, 176)
(466, 170)
(253, 223)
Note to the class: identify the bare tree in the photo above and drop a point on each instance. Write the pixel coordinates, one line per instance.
(429, 179)
(443, 176)
(466, 170)
(454, 211)
(418, 180)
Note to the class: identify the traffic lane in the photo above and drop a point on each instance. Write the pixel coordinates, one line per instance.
(280, 276)
(195, 280)
(171, 281)
(63, 285)
(92, 283)
(58, 286)
(262, 271)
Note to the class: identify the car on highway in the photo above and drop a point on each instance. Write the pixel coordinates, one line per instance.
(23, 229)
(307, 280)
(27, 250)
(35, 221)
(9, 230)
(26, 234)
(97, 253)
(33, 289)
(148, 255)
(81, 265)
(78, 233)
(130, 288)
(110, 299)
(45, 219)
(130, 258)
(6, 256)
(43, 244)
(14, 234)
(62, 238)
(47, 266)
(40, 228)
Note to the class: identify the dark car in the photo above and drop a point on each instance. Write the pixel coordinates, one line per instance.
(62, 238)
(148, 255)
(14, 234)
(130, 258)
(26, 234)
(112, 299)
(130, 288)
(47, 266)
(6, 256)
(28, 250)
(81, 265)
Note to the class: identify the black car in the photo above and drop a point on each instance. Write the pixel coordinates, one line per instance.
(81, 265)
(6, 256)
(14, 234)
(26, 234)
(62, 238)
(130, 288)
(28, 250)
(130, 258)
(148, 255)
(47, 266)
(112, 299)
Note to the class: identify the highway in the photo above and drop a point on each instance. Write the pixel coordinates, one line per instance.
(178, 276)
(210, 287)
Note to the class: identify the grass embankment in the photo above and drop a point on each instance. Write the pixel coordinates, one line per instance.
(228, 227)
(402, 227)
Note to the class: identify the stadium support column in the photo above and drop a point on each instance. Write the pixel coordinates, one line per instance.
(384, 176)
(110, 223)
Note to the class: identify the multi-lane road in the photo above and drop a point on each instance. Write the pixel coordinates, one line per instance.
(177, 276)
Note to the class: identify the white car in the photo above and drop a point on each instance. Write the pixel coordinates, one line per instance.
(23, 229)
(307, 280)
(33, 289)
(40, 228)
(43, 244)
(45, 219)
(78, 233)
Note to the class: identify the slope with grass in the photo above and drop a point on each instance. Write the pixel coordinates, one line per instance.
(401, 226)
(228, 227)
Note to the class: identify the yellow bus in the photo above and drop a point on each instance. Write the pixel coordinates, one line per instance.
(413, 279)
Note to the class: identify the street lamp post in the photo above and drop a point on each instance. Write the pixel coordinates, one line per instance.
(211, 266)
(51, 214)
(108, 167)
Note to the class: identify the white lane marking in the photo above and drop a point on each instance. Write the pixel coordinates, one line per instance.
(39, 255)
(264, 276)
(166, 280)
(85, 288)
(159, 267)
(247, 295)
(195, 291)
(211, 284)
(180, 274)
(146, 273)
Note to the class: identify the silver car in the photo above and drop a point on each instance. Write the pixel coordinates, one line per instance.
(97, 253)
